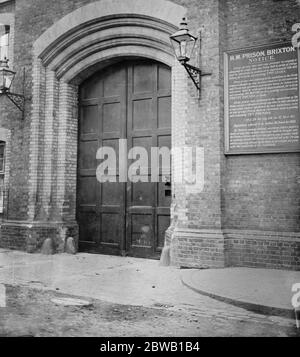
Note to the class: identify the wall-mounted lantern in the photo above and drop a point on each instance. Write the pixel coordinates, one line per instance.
(6, 78)
(183, 44)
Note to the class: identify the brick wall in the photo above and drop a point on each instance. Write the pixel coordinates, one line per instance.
(197, 237)
(260, 198)
(262, 191)
(30, 237)
(267, 249)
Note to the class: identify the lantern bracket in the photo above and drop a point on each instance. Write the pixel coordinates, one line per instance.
(196, 74)
(183, 43)
(17, 99)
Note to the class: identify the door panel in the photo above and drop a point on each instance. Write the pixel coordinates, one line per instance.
(90, 124)
(112, 117)
(141, 119)
(164, 112)
(130, 100)
(142, 114)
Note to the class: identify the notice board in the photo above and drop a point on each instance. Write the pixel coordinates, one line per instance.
(261, 102)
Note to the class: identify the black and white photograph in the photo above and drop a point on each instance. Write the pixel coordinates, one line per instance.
(149, 172)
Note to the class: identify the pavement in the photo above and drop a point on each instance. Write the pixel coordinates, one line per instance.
(143, 282)
(267, 291)
(121, 280)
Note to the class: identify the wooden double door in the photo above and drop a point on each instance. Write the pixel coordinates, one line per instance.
(130, 100)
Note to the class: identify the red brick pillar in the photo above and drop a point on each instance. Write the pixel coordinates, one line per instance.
(197, 237)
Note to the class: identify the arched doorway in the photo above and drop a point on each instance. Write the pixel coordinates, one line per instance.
(128, 100)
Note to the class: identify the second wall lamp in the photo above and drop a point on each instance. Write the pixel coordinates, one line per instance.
(6, 78)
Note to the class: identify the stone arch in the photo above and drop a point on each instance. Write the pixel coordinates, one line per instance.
(102, 30)
(161, 10)
(79, 44)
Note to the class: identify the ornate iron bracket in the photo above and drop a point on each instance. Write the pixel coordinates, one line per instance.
(17, 99)
(196, 74)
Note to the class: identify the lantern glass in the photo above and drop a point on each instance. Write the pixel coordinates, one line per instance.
(183, 43)
(6, 77)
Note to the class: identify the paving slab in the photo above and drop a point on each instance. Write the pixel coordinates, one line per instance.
(267, 291)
